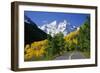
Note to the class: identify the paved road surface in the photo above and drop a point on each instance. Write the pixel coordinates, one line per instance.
(73, 55)
(63, 57)
(77, 55)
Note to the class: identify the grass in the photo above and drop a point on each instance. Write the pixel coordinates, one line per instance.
(86, 54)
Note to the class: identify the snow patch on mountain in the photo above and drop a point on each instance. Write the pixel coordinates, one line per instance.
(54, 27)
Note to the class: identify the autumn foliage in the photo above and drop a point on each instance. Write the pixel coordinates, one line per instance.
(35, 50)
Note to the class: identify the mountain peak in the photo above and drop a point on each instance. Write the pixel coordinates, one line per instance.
(53, 23)
(54, 27)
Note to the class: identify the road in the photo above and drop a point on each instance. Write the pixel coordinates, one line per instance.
(73, 55)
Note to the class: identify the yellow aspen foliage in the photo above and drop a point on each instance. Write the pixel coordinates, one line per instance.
(28, 53)
(28, 56)
(38, 53)
(35, 50)
(75, 41)
(39, 48)
(70, 38)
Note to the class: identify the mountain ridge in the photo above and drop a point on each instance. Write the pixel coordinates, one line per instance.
(32, 32)
(54, 27)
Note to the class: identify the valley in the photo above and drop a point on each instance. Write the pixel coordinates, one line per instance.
(56, 41)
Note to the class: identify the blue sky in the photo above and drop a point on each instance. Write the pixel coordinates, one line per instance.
(41, 18)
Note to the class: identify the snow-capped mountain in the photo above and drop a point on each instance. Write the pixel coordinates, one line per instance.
(55, 27)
